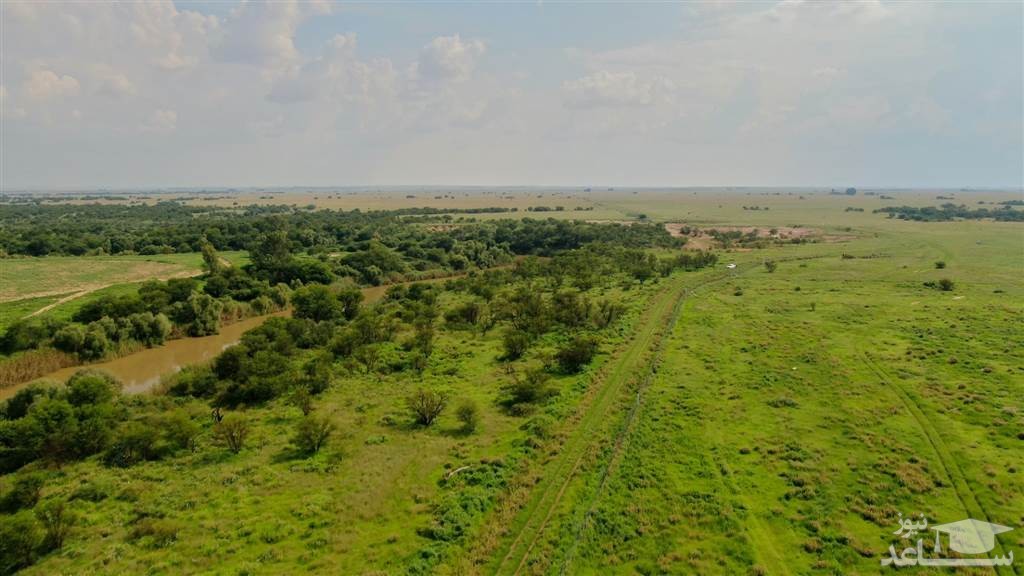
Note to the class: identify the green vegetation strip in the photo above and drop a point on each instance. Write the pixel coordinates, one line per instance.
(535, 516)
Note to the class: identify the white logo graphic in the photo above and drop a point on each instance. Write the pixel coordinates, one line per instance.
(965, 537)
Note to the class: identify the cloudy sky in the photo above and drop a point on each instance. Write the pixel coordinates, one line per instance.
(302, 93)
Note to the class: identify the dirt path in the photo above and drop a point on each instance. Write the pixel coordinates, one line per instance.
(49, 307)
(94, 288)
(968, 501)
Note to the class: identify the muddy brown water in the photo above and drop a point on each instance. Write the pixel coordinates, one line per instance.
(141, 371)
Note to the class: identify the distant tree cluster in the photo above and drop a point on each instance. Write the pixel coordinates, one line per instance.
(950, 211)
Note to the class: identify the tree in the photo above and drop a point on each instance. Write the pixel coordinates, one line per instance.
(515, 342)
(19, 538)
(469, 414)
(605, 313)
(204, 314)
(95, 344)
(210, 259)
(272, 256)
(532, 388)
(302, 399)
(70, 338)
(57, 519)
(311, 433)
(232, 432)
(426, 405)
(350, 298)
(576, 354)
(317, 303)
(89, 387)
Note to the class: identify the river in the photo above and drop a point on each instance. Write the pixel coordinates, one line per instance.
(142, 370)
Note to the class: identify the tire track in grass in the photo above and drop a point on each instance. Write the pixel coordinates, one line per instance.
(968, 500)
(760, 535)
(534, 517)
(558, 474)
(622, 438)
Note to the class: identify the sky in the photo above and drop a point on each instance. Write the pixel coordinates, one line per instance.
(187, 94)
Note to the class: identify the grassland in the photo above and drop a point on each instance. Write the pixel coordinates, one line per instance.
(740, 422)
(60, 285)
(795, 413)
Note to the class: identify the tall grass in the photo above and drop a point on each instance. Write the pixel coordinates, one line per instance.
(32, 364)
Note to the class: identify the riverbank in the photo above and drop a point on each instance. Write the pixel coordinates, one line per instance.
(142, 370)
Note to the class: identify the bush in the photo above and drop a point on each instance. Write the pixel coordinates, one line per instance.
(576, 354)
(940, 265)
(770, 266)
(469, 414)
(23, 494)
(135, 442)
(426, 405)
(19, 538)
(515, 343)
(232, 432)
(311, 433)
(57, 519)
(945, 284)
(91, 387)
(532, 388)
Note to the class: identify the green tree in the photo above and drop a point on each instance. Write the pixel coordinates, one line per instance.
(91, 387)
(515, 343)
(232, 432)
(311, 433)
(532, 388)
(19, 538)
(426, 405)
(57, 520)
(95, 344)
(576, 354)
(210, 259)
(204, 314)
(317, 303)
(70, 338)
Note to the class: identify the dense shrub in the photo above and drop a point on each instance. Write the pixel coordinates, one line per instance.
(311, 433)
(469, 414)
(576, 354)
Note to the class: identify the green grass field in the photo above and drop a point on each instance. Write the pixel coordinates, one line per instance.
(738, 422)
(30, 284)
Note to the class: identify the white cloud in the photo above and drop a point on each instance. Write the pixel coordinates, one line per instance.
(605, 88)
(449, 58)
(262, 33)
(47, 85)
(161, 121)
(116, 85)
